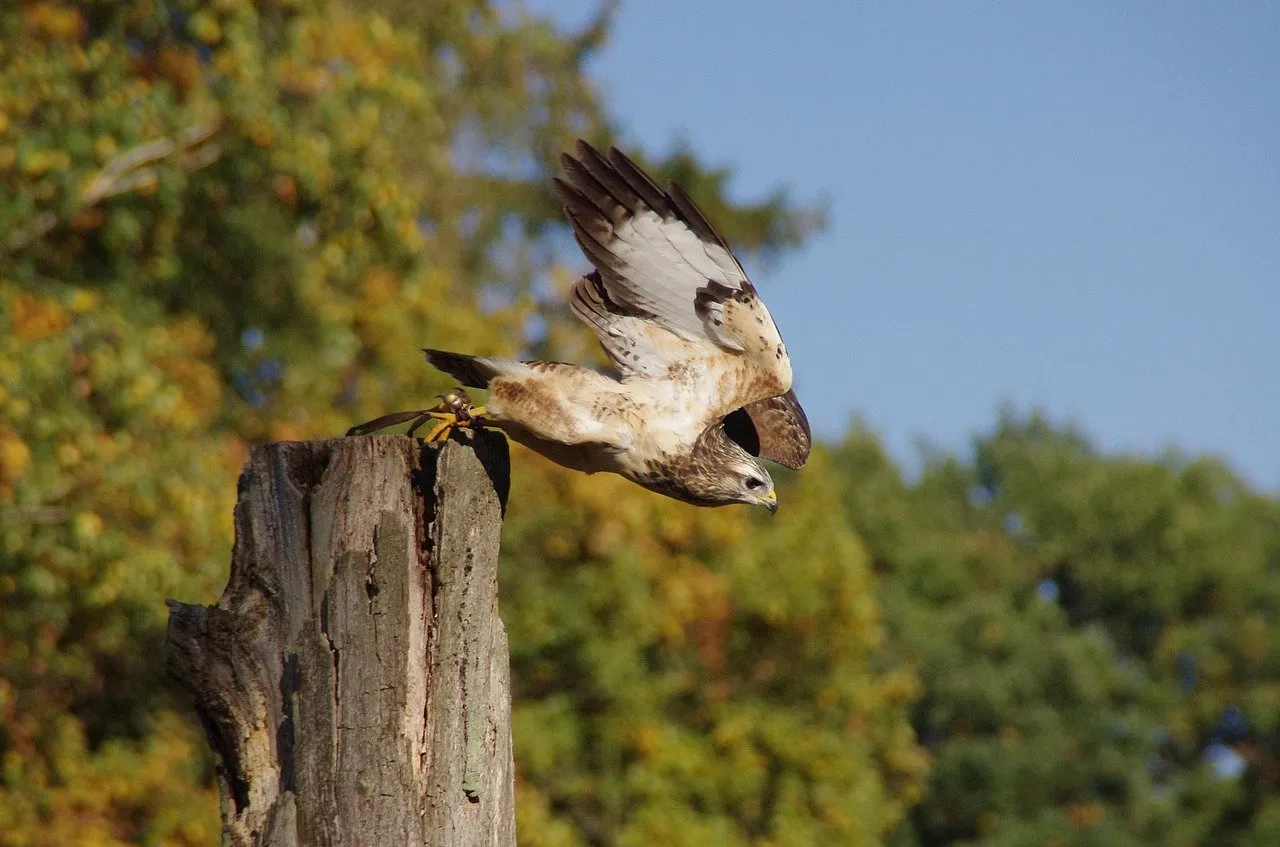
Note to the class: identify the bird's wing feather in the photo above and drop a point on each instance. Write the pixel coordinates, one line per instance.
(663, 270)
(636, 345)
(776, 429)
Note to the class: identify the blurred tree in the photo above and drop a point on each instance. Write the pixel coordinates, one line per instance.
(225, 220)
(694, 678)
(101, 520)
(1096, 636)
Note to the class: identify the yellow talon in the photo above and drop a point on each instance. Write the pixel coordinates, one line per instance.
(441, 430)
(454, 412)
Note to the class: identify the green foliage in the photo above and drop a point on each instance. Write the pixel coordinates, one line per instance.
(231, 220)
(227, 221)
(1096, 637)
(101, 520)
(693, 678)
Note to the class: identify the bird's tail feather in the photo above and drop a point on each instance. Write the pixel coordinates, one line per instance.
(471, 371)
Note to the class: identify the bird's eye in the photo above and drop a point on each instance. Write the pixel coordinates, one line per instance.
(754, 482)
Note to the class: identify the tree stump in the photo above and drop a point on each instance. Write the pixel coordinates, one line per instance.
(354, 676)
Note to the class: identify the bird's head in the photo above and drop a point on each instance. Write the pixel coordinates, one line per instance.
(721, 472)
(755, 486)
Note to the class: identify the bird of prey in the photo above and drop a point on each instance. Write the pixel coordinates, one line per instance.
(703, 383)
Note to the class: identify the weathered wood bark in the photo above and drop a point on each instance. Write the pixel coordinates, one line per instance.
(353, 678)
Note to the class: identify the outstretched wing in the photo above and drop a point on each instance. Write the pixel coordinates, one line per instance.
(668, 296)
(635, 344)
(776, 429)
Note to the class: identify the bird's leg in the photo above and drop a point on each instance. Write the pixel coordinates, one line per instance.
(455, 411)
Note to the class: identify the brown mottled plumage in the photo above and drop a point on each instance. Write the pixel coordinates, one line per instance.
(704, 386)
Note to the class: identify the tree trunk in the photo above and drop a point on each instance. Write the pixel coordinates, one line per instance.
(353, 678)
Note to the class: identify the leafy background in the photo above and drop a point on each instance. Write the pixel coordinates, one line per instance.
(225, 221)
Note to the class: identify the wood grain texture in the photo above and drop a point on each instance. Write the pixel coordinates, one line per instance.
(353, 678)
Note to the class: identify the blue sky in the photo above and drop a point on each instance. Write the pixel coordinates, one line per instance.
(1072, 206)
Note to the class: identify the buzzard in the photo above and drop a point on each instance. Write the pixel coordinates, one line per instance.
(703, 383)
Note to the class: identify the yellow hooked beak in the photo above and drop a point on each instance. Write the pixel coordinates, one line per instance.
(771, 502)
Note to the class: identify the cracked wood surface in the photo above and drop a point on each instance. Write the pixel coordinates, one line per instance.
(353, 678)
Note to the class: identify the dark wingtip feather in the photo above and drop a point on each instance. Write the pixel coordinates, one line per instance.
(471, 371)
(566, 193)
(780, 427)
(694, 216)
(639, 182)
